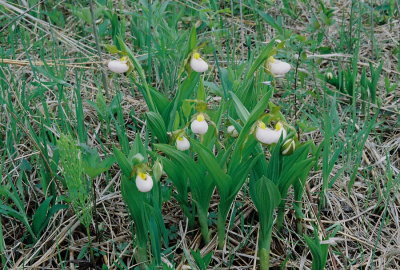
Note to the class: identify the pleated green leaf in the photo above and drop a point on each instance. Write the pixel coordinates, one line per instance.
(157, 126)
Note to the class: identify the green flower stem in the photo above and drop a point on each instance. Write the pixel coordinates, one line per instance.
(94, 210)
(190, 215)
(281, 215)
(223, 210)
(203, 220)
(299, 219)
(221, 229)
(264, 245)
(299, 226)
(141, 254)
(90, 245)
(141, 257)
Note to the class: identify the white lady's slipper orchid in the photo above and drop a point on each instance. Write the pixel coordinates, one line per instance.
(281, 130)
(265, 135)
(199, 125)
(288, 147)
(232, 131)
(118, 66)
(269, 136)
(198, 64)
(144, 182)
(182, 143)
(277, 67)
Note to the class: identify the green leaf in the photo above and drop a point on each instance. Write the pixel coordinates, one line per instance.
(138, 147)
(201, 186)
(111, 48)
(160, 101)
(221, 179)
(265, 53)
(175, 174)
(40, 215)
(157, 126)
(201, 93)
(271, 21)
(202, 261)
(134, 200)
(266, 197)
(146, 93)
(319, 252)
(239, 175)
(184, 92)
(241, 110)
(122, 162)
(92, 163)
(192, 39)
(9, 211)
(244, 133)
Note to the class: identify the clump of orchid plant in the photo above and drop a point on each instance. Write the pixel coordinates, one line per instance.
(197, 165)
(140, 189)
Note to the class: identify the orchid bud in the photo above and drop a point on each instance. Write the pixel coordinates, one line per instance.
(198, 64)
(144, 182)
(288, 147)
(182, 143)
(199, 125)
(232, 131)
(277, 67)
(118, 66)
(138, 158)
(157, 170)
(329, 75)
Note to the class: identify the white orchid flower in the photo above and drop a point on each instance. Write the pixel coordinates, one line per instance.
(269, 136)
(182, 143)
(232, 131)
(277, 67)
(197, 63)
(118, 66)
(199, 125)
(144, 182)
(281, 130)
